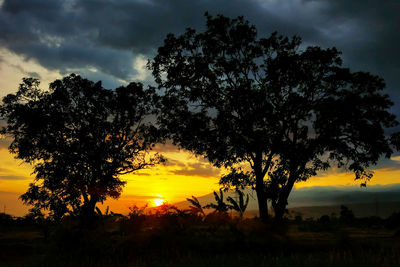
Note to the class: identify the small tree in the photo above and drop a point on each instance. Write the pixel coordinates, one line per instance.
(136, 211)
(240, 205)
(168, 209)
(196, 207)
(79, 137)
(288, 113)
(220, 206)
(346, 214)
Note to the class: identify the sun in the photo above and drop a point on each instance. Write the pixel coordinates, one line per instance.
(158, 201)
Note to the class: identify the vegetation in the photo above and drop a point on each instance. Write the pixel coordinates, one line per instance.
(239, 205)
(79, 137)
(172, 237)
(220, 206)
(195, 207)
(286, 112)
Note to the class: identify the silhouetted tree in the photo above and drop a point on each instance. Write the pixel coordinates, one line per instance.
(196, 207)
(237, 179)
(136, 211)
(393, 221)
(239, 205)
(6, 219)
(346, 214)
(168, 209)
(288, 112)
(79, 137)
(220, 206)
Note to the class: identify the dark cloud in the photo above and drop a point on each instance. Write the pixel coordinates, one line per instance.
(372, 38)
(173, 162)
(107, 35)
(390, 164)
(69, 35)
(4, 143)
(4, 171)
(198, 169)
(142, 174)
(21, 69)
(168, 147)
(13, 177)
(34, 75)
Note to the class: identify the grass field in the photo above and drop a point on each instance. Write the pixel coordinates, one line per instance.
(186, 240)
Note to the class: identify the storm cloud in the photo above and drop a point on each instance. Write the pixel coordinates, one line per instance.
(107, 36)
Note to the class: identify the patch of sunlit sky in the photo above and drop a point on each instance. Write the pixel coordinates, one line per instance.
(184, 175)
(16, 67)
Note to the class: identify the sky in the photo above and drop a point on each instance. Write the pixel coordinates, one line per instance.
(111, 41)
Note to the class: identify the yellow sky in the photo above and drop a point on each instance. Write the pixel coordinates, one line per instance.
(184, 175)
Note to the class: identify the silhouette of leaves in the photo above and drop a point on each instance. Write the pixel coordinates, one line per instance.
(287, 112)
(79, 137)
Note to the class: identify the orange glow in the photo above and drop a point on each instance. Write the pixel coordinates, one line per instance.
(158, 201)
(183, 176)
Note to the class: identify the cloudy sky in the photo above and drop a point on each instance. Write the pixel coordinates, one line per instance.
(111, 40)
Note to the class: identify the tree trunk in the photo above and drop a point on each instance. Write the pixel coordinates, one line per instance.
(280, 206)
(279, 209)
(262, 201)
(88, 211)
(260, 188)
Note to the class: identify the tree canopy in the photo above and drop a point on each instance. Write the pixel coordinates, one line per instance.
(79, 137)
(286, 111)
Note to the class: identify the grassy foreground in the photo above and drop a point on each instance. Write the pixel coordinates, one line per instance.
(173, 239)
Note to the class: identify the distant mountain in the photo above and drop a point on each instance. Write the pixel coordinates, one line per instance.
(381, 209)
(330, 196)
(381, 200)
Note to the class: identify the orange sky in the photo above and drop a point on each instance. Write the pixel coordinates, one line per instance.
(184, 175)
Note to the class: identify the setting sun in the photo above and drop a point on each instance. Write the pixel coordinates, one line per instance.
(158, 201)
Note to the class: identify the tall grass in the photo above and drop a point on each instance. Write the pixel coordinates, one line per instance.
(175, 238)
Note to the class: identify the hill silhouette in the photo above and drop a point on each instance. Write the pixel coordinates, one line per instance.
(375, 200)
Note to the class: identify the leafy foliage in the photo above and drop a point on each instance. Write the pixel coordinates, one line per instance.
(287, 112)
(136, 211)
(168, 209)
(237, 179)
(196, 207)
(240, 205)
(79, 137)
(220, 206)
(346, 214)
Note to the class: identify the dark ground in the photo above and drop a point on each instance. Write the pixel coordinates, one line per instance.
(186, 240)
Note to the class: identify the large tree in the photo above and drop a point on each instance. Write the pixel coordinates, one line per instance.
(287, 112)
(80, 138)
